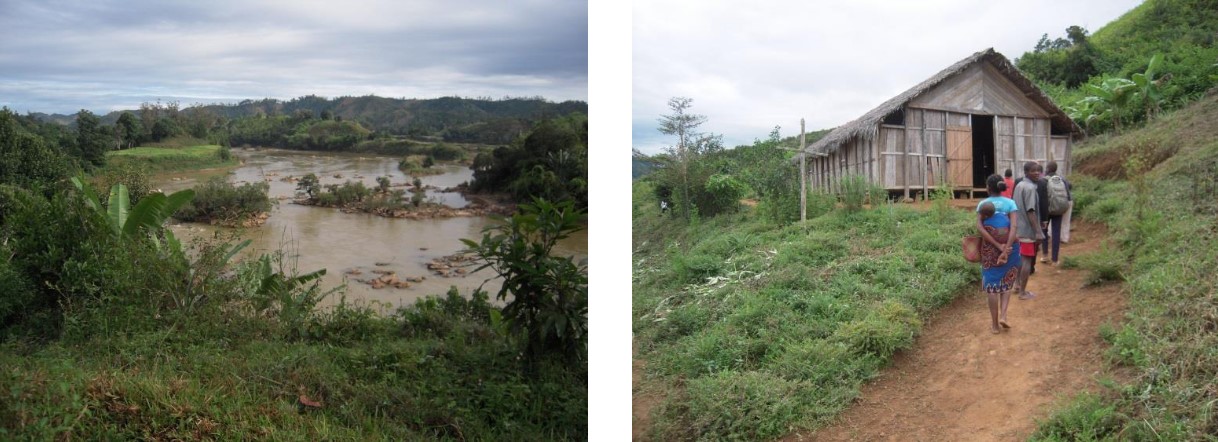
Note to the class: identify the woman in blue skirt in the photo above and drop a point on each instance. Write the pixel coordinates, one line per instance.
(996, 222)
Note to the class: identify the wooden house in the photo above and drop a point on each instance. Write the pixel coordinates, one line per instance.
(977, 117)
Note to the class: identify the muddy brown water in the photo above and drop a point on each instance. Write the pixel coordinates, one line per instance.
(317, 238)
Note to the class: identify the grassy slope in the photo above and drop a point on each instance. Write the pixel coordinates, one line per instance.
(750, 329)
(1164, 225)
(169, 159)
(222, 373)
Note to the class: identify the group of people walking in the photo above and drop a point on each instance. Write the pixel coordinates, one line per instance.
(1019, 219)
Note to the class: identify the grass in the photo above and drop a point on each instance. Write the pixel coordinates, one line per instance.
(171, 159)
(376, 378)
(753, 328)
(1165, 248)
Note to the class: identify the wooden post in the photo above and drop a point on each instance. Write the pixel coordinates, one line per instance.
(803, 187)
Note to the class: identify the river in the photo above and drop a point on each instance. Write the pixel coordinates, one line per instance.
(344, 243)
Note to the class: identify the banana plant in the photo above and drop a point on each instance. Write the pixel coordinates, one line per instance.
(1086, 112)
(1149, 86)
(149, 215)
(1114, 94)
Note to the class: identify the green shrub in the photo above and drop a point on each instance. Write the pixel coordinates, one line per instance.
(327, 199)
(351, 192)
(549, 294)
(444, 152)
(310, 185)
(1105, 265)
(695, 268)
(219, 201)
(854, 191)
(723, 194)
(443, 316)
(17, 293)
(1089, 417)
(132, 176)
(889, 327)
(749, 405)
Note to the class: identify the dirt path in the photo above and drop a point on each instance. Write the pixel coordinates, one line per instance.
(643, 401)
(962, 383)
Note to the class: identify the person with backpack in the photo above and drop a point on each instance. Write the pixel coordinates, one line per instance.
(1060, 200)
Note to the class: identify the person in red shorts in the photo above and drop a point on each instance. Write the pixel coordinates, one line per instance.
(1006, 178)
(1028, 229)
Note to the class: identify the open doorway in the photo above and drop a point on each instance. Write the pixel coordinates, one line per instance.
(983, 149)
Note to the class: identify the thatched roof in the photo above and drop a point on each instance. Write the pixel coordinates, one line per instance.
(867, 126)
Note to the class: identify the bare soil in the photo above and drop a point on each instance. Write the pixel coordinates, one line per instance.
(959, 381)
(644, 400)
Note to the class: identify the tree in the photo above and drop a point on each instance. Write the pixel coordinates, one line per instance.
(310, 185)
(682, 125)
(28, 161)
(92, 140)
(691, 146)
(165, 127)
(1067, 61)
(548, 300)
(128, 129)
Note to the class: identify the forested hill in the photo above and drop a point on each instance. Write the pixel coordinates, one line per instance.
(1157, 57)
(455, 119)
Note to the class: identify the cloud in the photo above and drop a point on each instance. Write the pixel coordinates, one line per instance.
(108, 53)
(752, 65)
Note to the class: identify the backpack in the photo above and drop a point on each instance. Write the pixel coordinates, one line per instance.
(1059, 198)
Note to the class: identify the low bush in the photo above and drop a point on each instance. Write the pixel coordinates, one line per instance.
(219, 202)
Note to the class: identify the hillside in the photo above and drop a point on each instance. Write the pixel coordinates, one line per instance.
(453, 119)
(1095, 77)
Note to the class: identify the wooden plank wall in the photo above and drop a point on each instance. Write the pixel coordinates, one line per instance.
(1060, 152)
(884, 162)
(914, 163)
(937, 142)
(891, 148)
(1019, 140)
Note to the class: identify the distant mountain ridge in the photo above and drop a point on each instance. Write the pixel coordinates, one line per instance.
(451, 118)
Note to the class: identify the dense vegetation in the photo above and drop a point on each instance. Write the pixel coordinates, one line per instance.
(452, 119)
(1096, 78)
(218, 201)
(113, 328)
(1162, 219)
(355, 196)
(550, 162)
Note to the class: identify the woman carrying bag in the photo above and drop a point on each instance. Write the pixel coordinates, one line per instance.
(996, 222)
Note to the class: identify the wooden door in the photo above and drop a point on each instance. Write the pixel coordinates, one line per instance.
(960, 156)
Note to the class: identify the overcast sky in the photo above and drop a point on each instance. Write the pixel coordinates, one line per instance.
(752, 65)
(62, 56)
